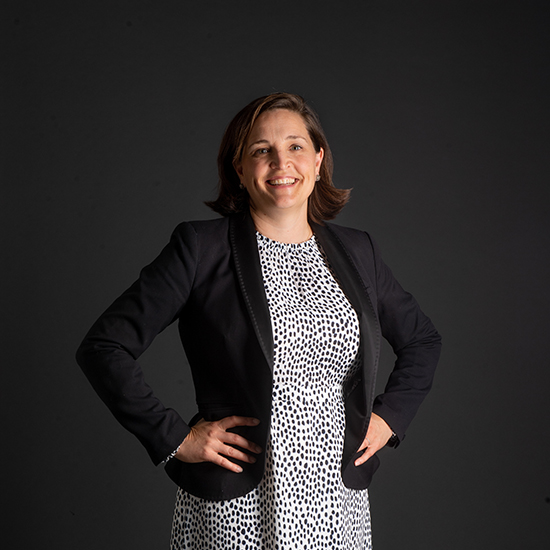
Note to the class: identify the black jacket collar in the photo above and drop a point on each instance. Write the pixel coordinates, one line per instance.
(249, 273)
(242, 236)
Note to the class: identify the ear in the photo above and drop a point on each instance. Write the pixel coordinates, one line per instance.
(319, 159)
(238, 168)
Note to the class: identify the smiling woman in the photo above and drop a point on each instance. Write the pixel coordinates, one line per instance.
(278, 169)
(325, 201)
(280, 315)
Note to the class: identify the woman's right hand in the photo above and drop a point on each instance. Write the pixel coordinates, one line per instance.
(211, 442)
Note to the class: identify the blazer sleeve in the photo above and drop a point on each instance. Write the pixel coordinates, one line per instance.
(416, 344)
(108, 354)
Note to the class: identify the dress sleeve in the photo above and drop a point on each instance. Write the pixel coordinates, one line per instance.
(108, 354)
(416, 344)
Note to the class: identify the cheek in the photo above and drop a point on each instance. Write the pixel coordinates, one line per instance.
(252, 170)
(246, 173)
(310, 167)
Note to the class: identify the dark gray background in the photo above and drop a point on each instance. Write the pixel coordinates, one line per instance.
(437, 113)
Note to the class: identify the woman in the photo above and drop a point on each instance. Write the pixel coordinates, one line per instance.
(280, 316)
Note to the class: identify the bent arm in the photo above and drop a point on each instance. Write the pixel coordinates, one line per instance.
(108, 354)
(417, 346)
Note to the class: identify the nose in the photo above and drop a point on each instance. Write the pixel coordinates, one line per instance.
(279, 159)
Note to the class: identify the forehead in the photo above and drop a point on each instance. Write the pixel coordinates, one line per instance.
(278, 123)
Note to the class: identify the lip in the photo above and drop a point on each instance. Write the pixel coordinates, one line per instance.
(282, 181)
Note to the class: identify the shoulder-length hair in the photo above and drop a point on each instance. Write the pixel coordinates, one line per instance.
(324, 203)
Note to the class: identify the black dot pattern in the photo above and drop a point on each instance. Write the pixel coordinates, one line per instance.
(301, 502)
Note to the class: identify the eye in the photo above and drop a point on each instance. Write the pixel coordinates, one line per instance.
(261, 151)
(296, 147)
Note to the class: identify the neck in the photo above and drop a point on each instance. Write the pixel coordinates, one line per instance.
(290, 228)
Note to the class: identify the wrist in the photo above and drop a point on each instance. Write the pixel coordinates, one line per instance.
(393, 440)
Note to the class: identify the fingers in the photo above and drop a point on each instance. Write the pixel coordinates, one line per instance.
(235, 439)
(230, 440)
(227, 464)
(220, 458)
(210, 442)
(227, 450)
(232, 421)
(369, 448)
(365, 456)
(377, 436)
(366, 444)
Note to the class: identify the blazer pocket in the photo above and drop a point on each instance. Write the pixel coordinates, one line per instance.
(360, 477)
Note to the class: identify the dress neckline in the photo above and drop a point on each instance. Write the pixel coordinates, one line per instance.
(307, 243)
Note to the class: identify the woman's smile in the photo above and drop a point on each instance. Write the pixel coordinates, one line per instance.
(282, 181)
(279, 165)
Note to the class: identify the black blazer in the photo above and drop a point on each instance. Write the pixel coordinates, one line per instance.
(209, 279)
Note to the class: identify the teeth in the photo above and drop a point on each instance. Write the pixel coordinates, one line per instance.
(282, 181)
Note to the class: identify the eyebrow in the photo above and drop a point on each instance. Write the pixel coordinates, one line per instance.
(265, 140)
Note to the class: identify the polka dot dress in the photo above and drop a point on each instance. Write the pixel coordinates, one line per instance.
(301, 502)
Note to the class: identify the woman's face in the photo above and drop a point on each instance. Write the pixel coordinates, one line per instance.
(279, 164)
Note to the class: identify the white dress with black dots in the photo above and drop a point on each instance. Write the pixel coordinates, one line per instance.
(301, 502)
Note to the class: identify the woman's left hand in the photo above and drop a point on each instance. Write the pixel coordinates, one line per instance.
(378, 434)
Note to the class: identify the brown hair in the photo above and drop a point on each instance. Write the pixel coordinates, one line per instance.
(324, 203)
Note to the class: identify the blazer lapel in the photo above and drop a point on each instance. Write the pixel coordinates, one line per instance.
(355, 289)
(244, 246)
